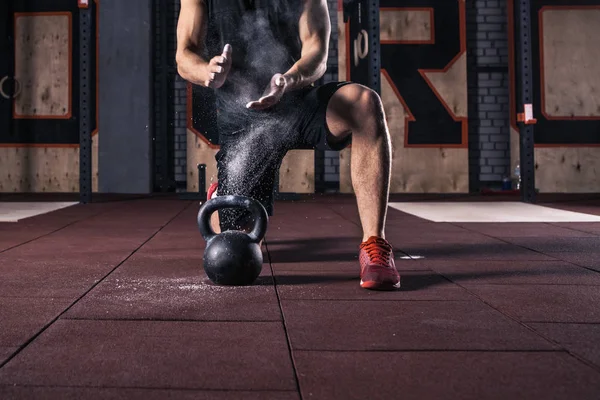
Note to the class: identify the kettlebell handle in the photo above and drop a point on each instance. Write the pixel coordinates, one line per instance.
(230, 201)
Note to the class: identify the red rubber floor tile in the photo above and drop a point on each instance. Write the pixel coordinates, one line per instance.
(342, 285)
(514, 272)
(430, 232)
(586, 227)
(6, 352)
(322, 254)
(589, 208)
(436, 233)
(311, 209)
(403, 325)
(41, 278)
(588, 260)
(523, 230)
(161, 288)
(559, 244)
(543, 303)
(483, 251)
(136, 215)
(450, 375)
(69, 244)
(403, 263)
(51, 393)
(145, 354)
(285, 229)
(313, 249)
(14, 234)
(22, 318)
(174, 244)
(580, 339)
(11, 238)
(297, 220)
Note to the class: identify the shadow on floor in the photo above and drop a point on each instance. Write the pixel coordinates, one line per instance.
(419, 281)
(316, 250)
(412, 282)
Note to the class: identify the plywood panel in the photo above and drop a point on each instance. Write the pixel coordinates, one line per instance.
(406, 25)
(39, 169)
(199, 152)
(451, 86)
(568, 169)
(42, 65)
(571, 62)
(414, 170)
(297, 172)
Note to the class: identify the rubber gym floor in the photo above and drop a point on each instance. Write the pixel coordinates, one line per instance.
(109, 301)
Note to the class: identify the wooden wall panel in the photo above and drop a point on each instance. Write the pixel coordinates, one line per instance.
(39, 169)
(199, 152)
(44, 169)
(415, 25)
(297, 172)
(43, 65)
(568, 169)
(451, 86)
(571, 62)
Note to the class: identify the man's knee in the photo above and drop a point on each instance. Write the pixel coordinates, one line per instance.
(357, 105)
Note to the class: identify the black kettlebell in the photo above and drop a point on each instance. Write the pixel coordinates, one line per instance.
(233, 257)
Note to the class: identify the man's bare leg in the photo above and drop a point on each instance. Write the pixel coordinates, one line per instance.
(214, 222)
(357, 110)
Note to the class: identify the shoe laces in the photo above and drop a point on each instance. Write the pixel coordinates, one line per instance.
(378, 250)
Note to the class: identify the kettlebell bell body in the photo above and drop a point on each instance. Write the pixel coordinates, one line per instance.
(233, 257)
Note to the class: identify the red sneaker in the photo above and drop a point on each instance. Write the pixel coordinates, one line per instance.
(377, 267)
(212, 191)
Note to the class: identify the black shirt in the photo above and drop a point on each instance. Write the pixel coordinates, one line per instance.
(265, 40)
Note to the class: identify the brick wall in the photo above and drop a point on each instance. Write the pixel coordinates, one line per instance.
(489, 135)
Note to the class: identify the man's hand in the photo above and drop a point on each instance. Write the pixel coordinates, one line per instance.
(272, 95)
(218, 68)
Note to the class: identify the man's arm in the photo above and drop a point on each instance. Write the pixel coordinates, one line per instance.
(191, 33)
(315, 30)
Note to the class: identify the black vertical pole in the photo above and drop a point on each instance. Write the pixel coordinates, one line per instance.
(85, 85)
(374, 44)
(526, 138)
(202, 180)
(365, 51)
(319, 160)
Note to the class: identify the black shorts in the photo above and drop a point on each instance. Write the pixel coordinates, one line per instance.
(254, 143)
